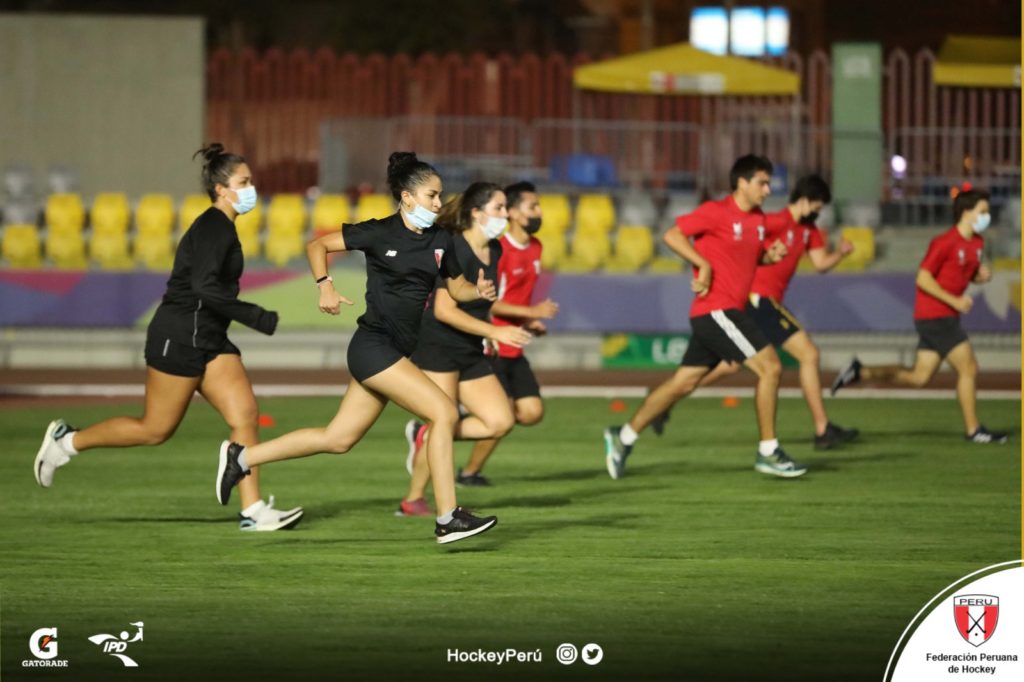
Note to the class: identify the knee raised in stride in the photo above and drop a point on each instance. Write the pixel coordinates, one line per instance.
(529, 415)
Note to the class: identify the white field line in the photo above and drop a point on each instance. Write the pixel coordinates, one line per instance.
(609, 392)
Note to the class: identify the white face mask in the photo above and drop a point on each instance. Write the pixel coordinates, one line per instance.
(246, 199)
(494, 227)
(421, 217)
(982, 222)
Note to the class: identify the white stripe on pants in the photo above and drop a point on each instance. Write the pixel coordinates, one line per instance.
(730, 329)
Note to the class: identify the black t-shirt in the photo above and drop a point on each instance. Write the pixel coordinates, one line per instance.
(436, 333)
(401, 269)
(202, 293)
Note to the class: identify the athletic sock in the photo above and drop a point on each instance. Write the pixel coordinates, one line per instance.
(445, 519)
(241, 461)
(627, 435)
(767, 447)
(67, 442)
(251, 510)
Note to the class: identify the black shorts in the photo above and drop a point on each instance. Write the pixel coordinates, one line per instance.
(470, 364)
(723, 335)
(516, 377)
(371, 353)
(777, 323)
(180, 359)
(941, 334)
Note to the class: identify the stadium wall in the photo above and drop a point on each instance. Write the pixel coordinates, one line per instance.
(120, 100)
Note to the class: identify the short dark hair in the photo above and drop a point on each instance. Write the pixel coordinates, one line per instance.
(406, 173)
(746, 166)
(812, 188)
(514, 193)
(218, 167)
(967, 200)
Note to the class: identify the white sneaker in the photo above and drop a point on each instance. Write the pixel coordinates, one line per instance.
(265, 517)
(52, 454)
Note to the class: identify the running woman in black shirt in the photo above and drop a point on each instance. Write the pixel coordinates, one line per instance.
(453, 336)
(187, 348)
(404, 257)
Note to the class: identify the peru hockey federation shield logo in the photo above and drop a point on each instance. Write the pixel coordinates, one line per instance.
(976, 616)
(438, 255)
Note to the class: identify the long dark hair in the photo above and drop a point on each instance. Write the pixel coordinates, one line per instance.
(457, 214)
(406, 173)
(218, 167)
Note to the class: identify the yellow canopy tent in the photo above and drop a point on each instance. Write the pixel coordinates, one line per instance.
(978, 62)
(682, 69)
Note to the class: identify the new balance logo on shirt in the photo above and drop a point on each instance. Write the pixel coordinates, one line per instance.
(391, 253)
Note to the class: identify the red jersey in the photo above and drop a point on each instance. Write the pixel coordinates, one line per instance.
(953, 261)
(733, 242)
(772, 280)
(518, 270)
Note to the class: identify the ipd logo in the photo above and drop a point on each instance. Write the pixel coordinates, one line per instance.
(43, 645)
(115, 646)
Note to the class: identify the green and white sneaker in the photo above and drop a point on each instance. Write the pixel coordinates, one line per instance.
(615, 453)
(779, 464)
(52, 455)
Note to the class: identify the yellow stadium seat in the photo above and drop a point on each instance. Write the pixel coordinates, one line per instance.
(329, 212)
(863, 240)
(1006, 264)
(110, 213)
(154, 251)
(286, 214)
(374, 206)
(65, 213)
(21, 246)
(634, 248)
(155, 214)
(595, 211)
(191, 208)
(110, 251)
(248, 227)
(590, 250)
(553, 249)
(66, 250)
(666, 265)
(555, 212)
(281, 248)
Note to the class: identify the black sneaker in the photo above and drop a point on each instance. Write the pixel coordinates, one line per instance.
(983, 435)
(462, 526)
(474, 480)
(229, 471)
(847, 376)
(833, 436)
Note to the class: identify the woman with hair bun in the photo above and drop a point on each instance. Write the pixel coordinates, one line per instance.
(405, 255)
(187, 348)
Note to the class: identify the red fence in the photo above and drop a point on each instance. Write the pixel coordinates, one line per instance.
(270, 105)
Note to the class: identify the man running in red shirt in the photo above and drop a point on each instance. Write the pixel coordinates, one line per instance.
(729, 241)
(952, 262)
(795, 226)
(518, 270)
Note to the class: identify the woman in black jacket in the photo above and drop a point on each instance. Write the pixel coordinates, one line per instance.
(187, 348)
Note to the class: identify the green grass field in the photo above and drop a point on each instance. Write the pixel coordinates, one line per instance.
(693, 567)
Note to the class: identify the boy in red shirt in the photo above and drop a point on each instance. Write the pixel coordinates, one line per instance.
(795, 226)
(952, 262)
(729, 241)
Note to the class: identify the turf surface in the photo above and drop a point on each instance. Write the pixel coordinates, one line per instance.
(693, 567)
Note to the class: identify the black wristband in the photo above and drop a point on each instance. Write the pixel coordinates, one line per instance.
(323, 279)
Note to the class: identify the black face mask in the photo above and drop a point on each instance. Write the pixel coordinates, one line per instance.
(532, 225)
(809, 219)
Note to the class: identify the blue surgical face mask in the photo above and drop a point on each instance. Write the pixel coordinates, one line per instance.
(982, 222)
(421, 217)
(494, 227)
(246, 199)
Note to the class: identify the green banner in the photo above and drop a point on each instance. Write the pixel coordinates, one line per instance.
(653, 351)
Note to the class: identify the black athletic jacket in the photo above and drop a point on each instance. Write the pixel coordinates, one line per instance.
(202, 293)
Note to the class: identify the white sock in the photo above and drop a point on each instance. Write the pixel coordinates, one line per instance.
(627, 435)
(445, 519)
(252, 509)
(241, 461)
(767, 447)
(67, 443)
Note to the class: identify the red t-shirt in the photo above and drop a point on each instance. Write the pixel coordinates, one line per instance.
(953, 261)
(733, 242)
(518, 270)
(772, 280)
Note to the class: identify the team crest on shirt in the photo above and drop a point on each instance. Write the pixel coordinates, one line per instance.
(536, 265)
(760, 233)
(963, 256)
(737, 231)
(438, 255)
(789, 237)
